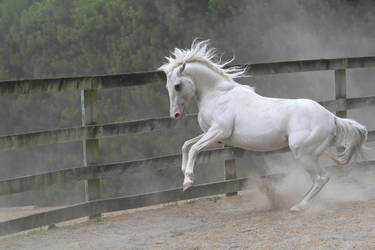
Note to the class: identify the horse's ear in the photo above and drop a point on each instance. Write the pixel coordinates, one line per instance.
(182, 68)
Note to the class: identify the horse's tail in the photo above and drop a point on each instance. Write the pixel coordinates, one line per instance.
(352, 136)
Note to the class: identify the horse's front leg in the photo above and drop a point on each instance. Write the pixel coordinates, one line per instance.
(185, 151)
(213, 135)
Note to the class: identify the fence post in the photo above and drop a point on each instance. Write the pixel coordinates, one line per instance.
(230, 172)
(90, 146)
(340, 89)
(340, 93)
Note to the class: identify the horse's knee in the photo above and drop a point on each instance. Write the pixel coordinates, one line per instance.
(185, 147)
(324, 178)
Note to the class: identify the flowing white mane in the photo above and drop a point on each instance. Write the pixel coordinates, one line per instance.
(199, 52)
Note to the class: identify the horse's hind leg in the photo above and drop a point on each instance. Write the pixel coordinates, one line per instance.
(307, 148)
(319, 178)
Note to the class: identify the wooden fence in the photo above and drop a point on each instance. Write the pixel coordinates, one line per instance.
(90, 132)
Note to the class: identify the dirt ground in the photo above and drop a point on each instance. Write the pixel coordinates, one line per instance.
(342, 217)
(214, 223)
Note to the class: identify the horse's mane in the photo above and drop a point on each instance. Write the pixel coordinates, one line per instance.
(199, 52)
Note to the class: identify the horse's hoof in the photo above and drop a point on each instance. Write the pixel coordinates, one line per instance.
(295, 210)
(298, 209)
(186, 186)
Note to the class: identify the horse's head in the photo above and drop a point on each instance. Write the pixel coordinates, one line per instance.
(181, 89)
(198, 61)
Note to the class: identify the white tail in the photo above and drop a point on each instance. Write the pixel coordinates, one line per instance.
(352, 136)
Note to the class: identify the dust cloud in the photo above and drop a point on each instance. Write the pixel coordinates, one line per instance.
(348, 183)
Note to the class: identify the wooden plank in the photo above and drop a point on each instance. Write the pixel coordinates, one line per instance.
(340, 93)
(350, 103)
(142, 126)
(340, 89)
(310, 65)
(360, 102)
(141, 78)
(39, 181)
(115, 204)
(230, 172)
(371, 136)
(90, 132)
(54, 85)
(33, 182)
(44, 219)
(90, 147)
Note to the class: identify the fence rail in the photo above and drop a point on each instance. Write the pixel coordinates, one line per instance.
(310, 65)
(54, 85)
(34, 182)
(89, 133)
(141, 126)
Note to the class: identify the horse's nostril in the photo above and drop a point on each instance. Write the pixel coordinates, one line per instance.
(177, 115)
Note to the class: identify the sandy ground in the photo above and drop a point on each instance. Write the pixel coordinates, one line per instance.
(342, 217)
(214, 223)
(208, 224)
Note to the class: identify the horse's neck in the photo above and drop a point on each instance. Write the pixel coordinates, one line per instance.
(208, 83)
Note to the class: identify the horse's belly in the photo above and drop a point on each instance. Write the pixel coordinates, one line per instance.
(258, 141)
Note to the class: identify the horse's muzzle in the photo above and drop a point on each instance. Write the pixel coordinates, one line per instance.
(177, 116)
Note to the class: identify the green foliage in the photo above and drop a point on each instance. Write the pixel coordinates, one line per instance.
(44, 38)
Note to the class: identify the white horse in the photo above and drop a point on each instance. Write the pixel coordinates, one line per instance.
(234, 114)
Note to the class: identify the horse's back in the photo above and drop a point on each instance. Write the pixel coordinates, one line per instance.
(262, 123)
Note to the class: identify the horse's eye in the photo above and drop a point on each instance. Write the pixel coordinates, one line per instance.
(177, 87)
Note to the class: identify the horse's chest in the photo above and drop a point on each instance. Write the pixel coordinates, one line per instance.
(204, 122)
